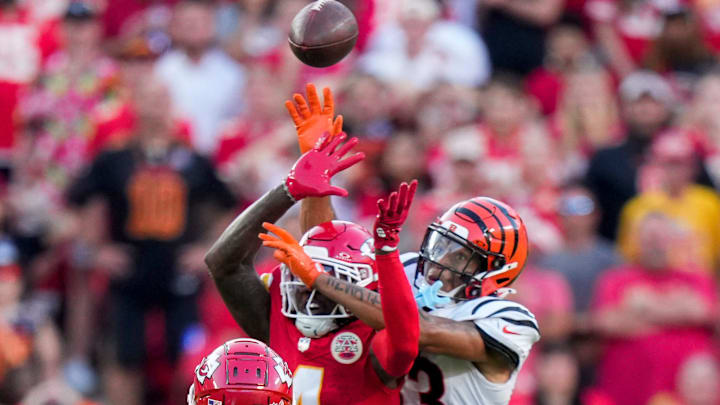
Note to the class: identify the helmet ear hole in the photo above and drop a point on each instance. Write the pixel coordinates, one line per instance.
(498, 263)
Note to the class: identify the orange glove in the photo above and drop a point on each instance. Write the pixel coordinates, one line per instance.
(313, 121)
(289, 251)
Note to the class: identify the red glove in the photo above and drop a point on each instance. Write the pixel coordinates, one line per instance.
(391, 216)
(310, 176)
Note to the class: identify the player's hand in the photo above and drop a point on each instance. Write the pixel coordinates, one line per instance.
(312, 120)
(310, 176)
(427, 296)
(391, 215)
(289, 251)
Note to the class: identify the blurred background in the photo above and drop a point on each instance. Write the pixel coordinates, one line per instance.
(131, 131)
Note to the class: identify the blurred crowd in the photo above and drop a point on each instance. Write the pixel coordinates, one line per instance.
(131, 131)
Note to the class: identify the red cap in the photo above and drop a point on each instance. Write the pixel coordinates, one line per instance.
(9, 272)
(673, 145)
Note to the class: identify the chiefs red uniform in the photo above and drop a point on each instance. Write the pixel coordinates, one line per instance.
(332, 369)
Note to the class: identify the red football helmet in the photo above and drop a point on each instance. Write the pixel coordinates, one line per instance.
(482, 241)
(345, 250)
(241, 372)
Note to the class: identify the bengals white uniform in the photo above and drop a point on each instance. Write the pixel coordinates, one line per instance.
(505, 326)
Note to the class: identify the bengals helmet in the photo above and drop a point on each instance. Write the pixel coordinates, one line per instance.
(241, 372)
(482, 242)
(345, 250)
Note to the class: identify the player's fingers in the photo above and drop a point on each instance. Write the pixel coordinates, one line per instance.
(290, 106)
(280, 256)
(382, 207)
(302, 106)
(345, 148)
(392, 204)
(402, 197)
(337, 125)
(277, 244)
(283, 234)
(267, 237)
(322, 141)
(411, 193)
(313, 99)
(350, 161)
(338, 191)
(336, 140)
(328, 102)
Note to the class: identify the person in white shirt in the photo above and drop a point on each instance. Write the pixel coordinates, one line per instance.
(422, 50)
(206, 85)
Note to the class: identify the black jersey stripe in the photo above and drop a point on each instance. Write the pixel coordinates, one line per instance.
(480, 305)
(512, 309)
(529, 324)
(495, 345)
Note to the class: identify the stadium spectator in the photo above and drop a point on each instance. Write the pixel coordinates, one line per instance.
(519, 152)
(694, 207)
(567, 50)
(584, 255)
(647, 103)
(205, 84)
(515, 32)
(365, 104)
(679, 52)
(558, 377)
(157, 191)
(113, 119)
(261, 132)
(29, 343)
(72, 83)
(625, 31)
(652, 315)
(586, 120)
(703, 123)
(697, 383)
(247, 29)
(442, 108)
(126, 16)
(422, 50)
(24, 45)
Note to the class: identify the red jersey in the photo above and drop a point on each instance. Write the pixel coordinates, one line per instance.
(333, 369)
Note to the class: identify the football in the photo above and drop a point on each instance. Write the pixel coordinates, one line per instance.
(323, 33)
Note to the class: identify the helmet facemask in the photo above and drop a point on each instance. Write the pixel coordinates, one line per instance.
(445, 251)
(316, 315)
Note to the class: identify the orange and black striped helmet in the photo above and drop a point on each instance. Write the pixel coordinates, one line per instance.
(481, 240)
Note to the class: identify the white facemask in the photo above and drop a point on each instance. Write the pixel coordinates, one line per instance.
(315, 327)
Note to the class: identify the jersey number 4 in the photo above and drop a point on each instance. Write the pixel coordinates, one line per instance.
(435, 379)
(307, 383)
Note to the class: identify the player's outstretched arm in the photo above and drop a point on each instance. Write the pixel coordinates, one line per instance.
(459, 339)
(230, 259)
(396, 346)
(312, 120)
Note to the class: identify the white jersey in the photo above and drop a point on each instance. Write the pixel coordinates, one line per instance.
(505, 326)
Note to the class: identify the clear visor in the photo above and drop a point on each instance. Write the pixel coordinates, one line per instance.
(444, 252)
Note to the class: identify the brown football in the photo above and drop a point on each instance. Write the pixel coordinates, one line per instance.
(323, 33)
